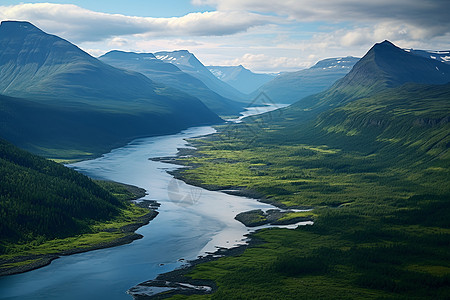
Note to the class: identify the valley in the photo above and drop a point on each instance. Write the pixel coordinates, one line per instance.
(143, 173)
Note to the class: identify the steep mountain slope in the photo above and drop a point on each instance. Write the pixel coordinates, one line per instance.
(40, 198)
(171, 75)
(384, 66)
(74, 131)
(292, 86)
(188, 63)
(415, 117)
(58, 75)
(240, 78)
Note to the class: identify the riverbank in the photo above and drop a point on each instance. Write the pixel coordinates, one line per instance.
(177, 282)
(119, 231)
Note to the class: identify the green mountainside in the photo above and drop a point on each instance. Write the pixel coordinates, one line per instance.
(40, 198)
(48, 210)
(374, 167)
(97, 101)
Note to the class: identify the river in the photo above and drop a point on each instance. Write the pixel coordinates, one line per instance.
(192, 221)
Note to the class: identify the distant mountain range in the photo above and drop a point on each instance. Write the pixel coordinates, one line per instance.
(188, 63)
(292, 86)
(240, 78)
(392, 101)
(171, 75)
(101, 106)
(384, 66)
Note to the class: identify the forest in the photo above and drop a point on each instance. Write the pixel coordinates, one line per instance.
(41, 200)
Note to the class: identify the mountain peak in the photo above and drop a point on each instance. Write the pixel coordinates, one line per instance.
(386, 43)
(16, 27)
(385, 47)
(386, 66)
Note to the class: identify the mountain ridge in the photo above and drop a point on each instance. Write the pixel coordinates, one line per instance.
(57, 76)
(189, 63)
(293, 86)
(240, 77)
(383, 66)
(171, 75)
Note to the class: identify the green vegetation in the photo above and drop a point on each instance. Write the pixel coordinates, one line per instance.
(43, 198)
(46, 208)
(376, 171)
(99, 233)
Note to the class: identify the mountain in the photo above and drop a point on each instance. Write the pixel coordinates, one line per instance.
(240, 78)
(442, 56)
(112, 105)
(188, 63)
(171, 75)
(42, 199)
(292, 86)
(384, 66)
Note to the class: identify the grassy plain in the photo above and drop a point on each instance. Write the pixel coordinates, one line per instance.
(376, 172)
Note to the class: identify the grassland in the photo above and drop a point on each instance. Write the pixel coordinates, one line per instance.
(378, 183)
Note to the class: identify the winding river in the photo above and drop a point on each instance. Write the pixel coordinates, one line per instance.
(192, 222)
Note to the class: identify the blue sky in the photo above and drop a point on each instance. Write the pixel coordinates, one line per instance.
(142, 8)
(263, 35)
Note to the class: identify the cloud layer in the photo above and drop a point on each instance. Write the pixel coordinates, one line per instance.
(264, 35)
(432, 15)
(82, 25)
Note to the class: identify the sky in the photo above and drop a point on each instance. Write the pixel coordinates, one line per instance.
(262, 35)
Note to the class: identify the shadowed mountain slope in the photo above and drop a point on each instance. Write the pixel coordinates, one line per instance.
(171, 75)
(117, 105)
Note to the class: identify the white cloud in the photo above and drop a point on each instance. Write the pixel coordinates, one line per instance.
(79, 24)
(117, 42)
(429, 15)
(265, 63)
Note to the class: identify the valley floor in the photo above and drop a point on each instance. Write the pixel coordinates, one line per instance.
(380, 230)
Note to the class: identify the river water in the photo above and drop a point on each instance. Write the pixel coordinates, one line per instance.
(192, 221)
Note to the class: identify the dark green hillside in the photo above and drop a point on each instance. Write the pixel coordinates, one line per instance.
(413, 116)
(171, 75)
(40, 199)
(74, 131)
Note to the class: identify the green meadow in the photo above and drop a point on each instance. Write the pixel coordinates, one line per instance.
(375, 172)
